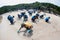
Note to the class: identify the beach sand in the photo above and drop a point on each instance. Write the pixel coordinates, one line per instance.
(41, 30)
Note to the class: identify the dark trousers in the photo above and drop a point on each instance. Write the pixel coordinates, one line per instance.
(11, 22)
(46, 20)
(33, 20)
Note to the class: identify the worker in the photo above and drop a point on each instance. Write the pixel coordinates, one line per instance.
(26, 25)
(10, 18)
(34, 17)
(37, 15)
(47, 19)
(25, 18)
(41, 16)
(19, 16)
(30, 13)
(23, 13)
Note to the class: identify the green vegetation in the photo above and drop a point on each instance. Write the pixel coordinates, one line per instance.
(40, 6)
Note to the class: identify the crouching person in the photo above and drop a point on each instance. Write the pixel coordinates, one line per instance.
(19, 16)
(25, 18)
(30, 13)
(34, 18)
(11, 19)
(42, 16)
(26, 25)
(47, 19)
(22, 14)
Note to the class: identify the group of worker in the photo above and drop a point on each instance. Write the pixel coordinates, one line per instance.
(25, 17)
(27, 24)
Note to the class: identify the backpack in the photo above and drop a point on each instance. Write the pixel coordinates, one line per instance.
(8, 17)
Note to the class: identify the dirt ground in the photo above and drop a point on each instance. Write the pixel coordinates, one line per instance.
(41, 29)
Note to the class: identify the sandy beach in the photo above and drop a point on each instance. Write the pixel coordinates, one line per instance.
(41, 30)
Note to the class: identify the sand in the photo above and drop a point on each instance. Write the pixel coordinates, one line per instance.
(1, 18)
(41, 30)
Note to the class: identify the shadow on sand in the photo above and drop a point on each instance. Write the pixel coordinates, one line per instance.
(48, 22)
(26, 33)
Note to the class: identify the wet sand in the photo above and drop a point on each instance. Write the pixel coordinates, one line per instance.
(41, 30)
